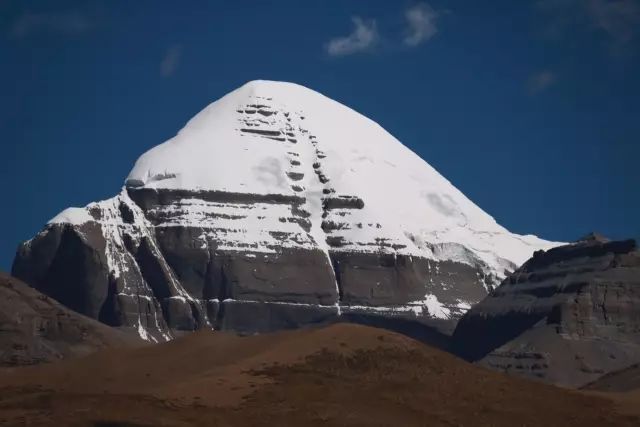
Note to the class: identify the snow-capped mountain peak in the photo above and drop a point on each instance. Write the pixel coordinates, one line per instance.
(282, 138)
(274, 206)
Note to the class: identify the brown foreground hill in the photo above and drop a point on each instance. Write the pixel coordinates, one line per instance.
(622, 386)
(35, 328)
(338, 375)
(625, 380)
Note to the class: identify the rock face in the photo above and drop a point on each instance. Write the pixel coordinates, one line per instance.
(626, 380)
(567, 316)
(274, 207)
(34, 328)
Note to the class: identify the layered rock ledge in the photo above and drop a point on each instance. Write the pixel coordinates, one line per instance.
(567, 316)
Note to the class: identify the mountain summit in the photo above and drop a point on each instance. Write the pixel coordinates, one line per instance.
(274, 206)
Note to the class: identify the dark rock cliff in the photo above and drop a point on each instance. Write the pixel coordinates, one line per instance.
(567, 316)
(129, 266)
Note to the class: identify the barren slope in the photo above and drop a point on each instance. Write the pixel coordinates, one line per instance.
(338, 375)
(35, 328)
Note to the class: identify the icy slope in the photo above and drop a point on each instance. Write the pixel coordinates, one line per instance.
(281, 138)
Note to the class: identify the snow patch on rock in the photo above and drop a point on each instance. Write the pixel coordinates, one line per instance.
(74, 216)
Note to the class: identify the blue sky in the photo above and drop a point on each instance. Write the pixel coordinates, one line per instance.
(530, 108)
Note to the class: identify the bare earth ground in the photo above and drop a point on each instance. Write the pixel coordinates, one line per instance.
(338, 375)
(623, 387)
(626, 380)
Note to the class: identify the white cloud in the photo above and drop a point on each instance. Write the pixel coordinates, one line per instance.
(69, 22)
(170, 61)
(421, 21)
(363, 37)
(540, 81)
(617, 20)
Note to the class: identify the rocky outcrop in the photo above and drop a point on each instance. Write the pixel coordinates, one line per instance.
(567, 316)
(274, 207)
(34, 328)
(130, 267)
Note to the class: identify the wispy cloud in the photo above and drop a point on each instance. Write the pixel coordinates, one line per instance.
(363, 38)
(67, 22)
(421, 21)
(541, 81)
(171, 60)
(617, 20)
(620, 19)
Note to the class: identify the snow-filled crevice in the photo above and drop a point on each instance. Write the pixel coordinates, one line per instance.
(318, 186)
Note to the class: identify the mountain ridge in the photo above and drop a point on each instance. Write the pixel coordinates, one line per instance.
(567, 316)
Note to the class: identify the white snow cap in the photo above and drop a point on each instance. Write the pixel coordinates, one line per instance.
(252, 139)
(74, 216)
